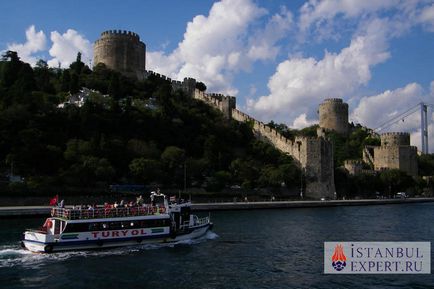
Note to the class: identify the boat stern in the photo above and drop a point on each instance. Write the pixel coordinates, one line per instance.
(34, 241)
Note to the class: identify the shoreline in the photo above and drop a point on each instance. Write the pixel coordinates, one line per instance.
(30, 211)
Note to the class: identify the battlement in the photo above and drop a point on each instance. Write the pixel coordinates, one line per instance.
(335, 100)
(395, 138)
(130, 34)
(395, 134)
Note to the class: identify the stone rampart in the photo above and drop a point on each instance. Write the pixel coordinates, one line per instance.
(313, 154)
(402, 157)
(395, 138)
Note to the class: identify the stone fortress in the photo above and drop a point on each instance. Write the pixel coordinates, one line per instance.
(123, 51)
(333, 115)
(395, 152)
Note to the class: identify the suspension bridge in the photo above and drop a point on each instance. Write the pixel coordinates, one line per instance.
(422, 108)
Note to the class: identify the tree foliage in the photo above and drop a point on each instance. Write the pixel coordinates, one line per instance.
(127, 131)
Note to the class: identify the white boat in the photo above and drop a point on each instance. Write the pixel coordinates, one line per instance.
(94, 228)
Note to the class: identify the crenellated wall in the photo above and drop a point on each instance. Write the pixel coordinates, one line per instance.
(395, 152)
(313, 154)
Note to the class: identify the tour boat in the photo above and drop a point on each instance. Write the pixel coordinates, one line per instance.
(94, 228)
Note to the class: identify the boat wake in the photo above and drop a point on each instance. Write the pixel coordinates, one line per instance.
(13, 255)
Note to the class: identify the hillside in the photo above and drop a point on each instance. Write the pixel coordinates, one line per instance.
(125, 132)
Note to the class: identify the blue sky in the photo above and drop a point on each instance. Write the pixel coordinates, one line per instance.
(280, 58)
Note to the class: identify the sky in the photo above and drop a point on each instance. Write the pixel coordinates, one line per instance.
(281, 59)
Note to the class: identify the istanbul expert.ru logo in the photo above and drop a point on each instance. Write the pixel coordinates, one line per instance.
(339, 259)
(377, 257)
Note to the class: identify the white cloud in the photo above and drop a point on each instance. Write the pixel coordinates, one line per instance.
(416, 139)
(373, 111)
(35, 42)
(263, 43)
(427, 17)
(66, 46)
(217, 46)
(300, 84)
(315, 11)
(301, 121)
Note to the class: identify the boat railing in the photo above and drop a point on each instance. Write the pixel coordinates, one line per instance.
(97, 213)
(197, 222)
(40, 230)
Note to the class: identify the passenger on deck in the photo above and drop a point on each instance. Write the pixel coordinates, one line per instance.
(62, 204)
(140, 200)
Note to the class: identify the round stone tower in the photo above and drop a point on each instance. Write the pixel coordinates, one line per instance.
(395, 139)
(122, 51)
(333, 115)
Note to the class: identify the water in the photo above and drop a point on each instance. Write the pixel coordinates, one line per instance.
(247, 249)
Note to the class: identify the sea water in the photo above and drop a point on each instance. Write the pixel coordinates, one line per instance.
(246, 249)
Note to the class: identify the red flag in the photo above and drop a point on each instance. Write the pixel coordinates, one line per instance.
(53, 201)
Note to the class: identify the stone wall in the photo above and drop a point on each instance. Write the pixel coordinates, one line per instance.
(353, 167)
(395, 152)
(313, 154)
(121, 51)
(395, 139)
(333, 115)
(403, 158)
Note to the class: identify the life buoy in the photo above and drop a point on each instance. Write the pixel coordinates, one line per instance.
(49, 224)
(48, 249)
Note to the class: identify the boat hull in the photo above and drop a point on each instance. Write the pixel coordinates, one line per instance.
(60, 245)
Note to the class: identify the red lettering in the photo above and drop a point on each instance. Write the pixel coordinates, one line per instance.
(134, 232)
(106, 234)
(142, 232)
(125, 232)
(95, 234)
(115, 234)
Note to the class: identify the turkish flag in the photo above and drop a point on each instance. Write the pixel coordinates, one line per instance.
(53, 201)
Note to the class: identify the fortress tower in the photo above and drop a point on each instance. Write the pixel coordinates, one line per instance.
(395, 152)
(121, 51)
(333, 115)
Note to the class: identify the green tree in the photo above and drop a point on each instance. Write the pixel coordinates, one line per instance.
(173, 156)
(395, 181)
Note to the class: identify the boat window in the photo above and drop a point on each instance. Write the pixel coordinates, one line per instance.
(56, 227)
(115, 225)
(78, 227)
(93, 227)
